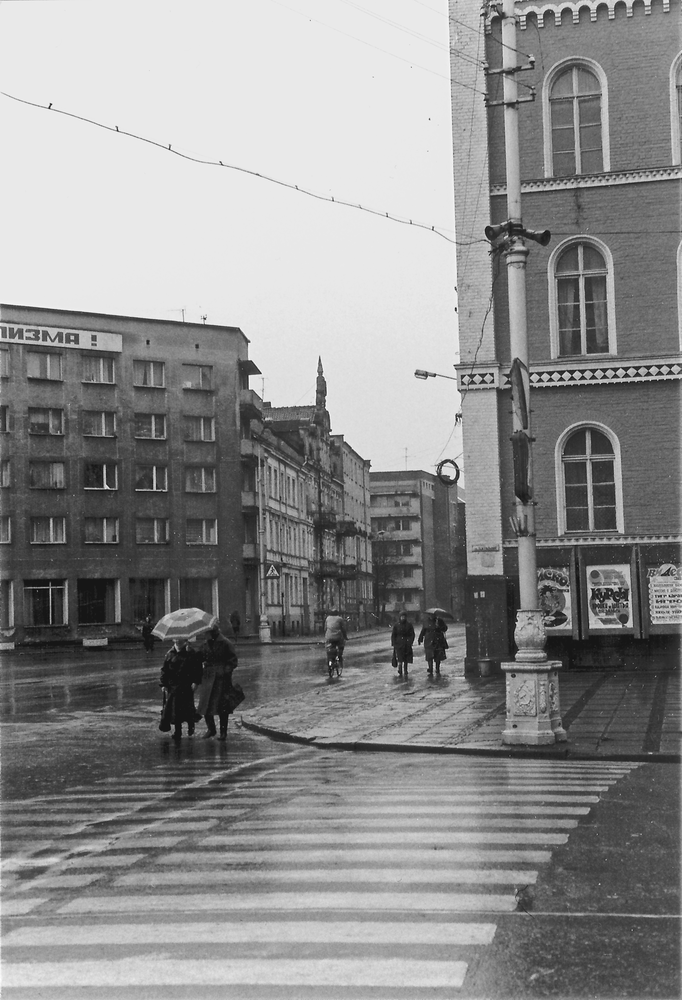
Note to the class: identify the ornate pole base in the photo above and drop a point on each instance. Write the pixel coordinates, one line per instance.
(533, 712)
(264, 630)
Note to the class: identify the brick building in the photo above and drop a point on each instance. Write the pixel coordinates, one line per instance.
(121, 471)
(419, 554)
(600, 168)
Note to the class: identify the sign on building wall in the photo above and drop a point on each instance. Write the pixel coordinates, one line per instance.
(609, 597)
(664, 585)
(84, 340)
(554, 591)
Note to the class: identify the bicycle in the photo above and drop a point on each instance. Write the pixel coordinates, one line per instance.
(334, 659)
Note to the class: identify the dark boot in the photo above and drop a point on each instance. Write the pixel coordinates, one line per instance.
(177, 734)
(210, 727)
(223, 727)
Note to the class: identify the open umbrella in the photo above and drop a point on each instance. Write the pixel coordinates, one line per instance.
(441, 612)
(182, 624)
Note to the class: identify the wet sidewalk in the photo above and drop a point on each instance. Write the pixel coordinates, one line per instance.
(608, 714)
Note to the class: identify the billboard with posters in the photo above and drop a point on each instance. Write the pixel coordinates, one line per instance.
(609, 597)
(664, 587)
(554, 591)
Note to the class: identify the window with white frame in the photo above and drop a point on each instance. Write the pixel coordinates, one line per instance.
(582, 311)
(100, 476)
(46, 475)
(676, 108)
(5, 529)
(44, 602)
(98, 368)
(151, 477)
(576, 109)
(200, 479)
(101, 530)
(201, 531)
(151, 531)
(149, 374)
(99, 423)
(199, 428)
(45, 420)
(197, 377)
(591, 499)
(44, 364)
(150, 425)
(6, 604)
(48, 531)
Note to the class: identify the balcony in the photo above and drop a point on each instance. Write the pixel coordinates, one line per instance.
(325, 519)
(248, 449)
(249, 500)
(346, 527)
(326, 568)
(250, 552)
(349, 571)
(250, 404)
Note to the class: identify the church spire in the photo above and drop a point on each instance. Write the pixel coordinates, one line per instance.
(321, 391)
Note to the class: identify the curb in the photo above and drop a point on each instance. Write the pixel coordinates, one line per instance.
(560, 753)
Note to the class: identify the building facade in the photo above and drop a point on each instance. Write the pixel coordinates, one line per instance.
(600, 168)
(418, 541)
(121, 488)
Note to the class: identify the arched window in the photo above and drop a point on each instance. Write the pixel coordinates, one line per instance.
(676, 108)
(581, 294)
(575, 119)
(591, 499)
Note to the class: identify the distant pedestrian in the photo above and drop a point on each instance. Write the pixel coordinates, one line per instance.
(148, 636)
(181, 670)
(402, 638)
(435, 643)
(335, 635)
(220, 659)
(235, 622)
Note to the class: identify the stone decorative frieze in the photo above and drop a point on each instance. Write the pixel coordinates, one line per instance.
(601, 374)
(478, 378)
(613, 178)
(615, 539)
(556, 11)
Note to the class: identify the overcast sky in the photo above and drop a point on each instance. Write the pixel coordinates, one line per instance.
(323, 94)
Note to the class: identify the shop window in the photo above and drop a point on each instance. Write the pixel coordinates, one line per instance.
(147, 597)
(44, 364)
(197, 377)
(149, 374)
(46, 475)
(576, 122)
(201, 531)
(199, 592)
(199, 428)
(97, 602)
(100, 476)
(151, 531)
(150, 425)
(6, 604)
(582, 314)
(44, 602)
(98, 369)
(101, 530)
(48, 531)
(591, 496)
(99, 423)
(45, 421)
(200, 479)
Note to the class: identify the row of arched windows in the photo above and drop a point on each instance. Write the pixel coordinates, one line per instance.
(575, 107)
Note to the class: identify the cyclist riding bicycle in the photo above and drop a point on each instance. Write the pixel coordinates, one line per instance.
(335, 636)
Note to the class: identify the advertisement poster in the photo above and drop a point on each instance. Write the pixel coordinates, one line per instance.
(665, 594)
(554, 590)
(609, 597)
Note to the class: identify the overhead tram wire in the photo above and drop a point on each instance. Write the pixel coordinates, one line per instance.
(168, 148)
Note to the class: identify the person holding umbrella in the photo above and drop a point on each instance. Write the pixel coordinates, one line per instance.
(433, 637)
(182, 668)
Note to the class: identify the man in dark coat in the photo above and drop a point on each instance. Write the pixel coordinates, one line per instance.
(220, 658)
(435, 643)
(402, 637)
(180, 671)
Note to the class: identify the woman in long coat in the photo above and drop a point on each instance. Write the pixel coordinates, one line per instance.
(220, 658)
(181, 669)
(435, 643)
(402, 637)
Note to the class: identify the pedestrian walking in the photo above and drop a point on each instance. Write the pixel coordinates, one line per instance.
(215, 694)
(402, 638)
(235, 622)
(148, 637)
(180, 672)
(435, 643)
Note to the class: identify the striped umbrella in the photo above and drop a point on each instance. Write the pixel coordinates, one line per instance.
(182, 624)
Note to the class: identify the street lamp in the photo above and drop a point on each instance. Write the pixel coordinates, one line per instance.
(420, 373)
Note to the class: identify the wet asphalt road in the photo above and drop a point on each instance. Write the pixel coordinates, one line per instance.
(80, 715)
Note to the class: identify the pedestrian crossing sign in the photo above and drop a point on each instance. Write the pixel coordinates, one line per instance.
(272, 573)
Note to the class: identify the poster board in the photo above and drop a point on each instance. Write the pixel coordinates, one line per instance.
(661, 589)
(609, 592)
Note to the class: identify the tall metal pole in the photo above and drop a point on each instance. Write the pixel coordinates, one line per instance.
(533, 712)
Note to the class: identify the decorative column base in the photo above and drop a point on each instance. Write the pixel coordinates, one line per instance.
(533, 713)
(264, 630)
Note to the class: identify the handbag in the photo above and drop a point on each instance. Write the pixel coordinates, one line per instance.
(234, 696)
(394, 660)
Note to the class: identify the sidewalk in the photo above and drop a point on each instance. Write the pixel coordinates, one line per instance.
(608, 714)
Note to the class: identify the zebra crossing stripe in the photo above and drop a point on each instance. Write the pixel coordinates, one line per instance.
(443, 856)
(393, 876)
(149, 970)
(475, 836)
(451, 933)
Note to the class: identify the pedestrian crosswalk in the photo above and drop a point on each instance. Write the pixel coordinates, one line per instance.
(308, 874)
